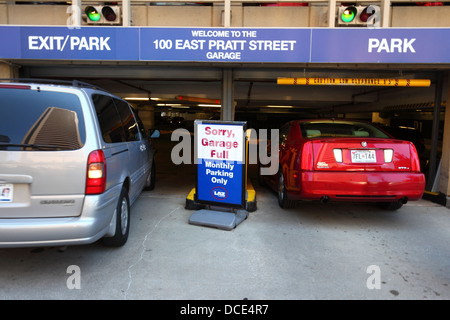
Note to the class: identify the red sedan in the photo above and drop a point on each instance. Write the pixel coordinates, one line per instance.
(344, 160)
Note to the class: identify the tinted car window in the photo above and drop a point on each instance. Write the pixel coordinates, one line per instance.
(109, 119)
(40, 120)
(317, 129)
(129, 123)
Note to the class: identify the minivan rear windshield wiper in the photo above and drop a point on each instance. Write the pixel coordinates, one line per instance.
(30, 145)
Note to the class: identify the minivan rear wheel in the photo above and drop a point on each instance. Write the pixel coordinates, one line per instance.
(122, 222)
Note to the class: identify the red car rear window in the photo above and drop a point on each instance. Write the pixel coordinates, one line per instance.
(339, 128)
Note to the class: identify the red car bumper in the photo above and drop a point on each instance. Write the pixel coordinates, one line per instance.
(364, 186)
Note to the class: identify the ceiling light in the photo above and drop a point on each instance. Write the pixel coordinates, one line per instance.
(210, 105)
(168, 104)
(279, 106)
(137, 99)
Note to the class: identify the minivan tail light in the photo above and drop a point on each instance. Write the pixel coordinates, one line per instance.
(96, 173)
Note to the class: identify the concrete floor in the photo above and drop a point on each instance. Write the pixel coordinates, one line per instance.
(314, 251)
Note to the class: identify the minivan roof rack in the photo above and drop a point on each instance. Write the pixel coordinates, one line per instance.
(74, 83)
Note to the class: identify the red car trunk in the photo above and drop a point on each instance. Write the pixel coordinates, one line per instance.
(356, 154)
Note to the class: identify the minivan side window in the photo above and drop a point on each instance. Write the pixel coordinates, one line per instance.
(129, 123)
(109, 119)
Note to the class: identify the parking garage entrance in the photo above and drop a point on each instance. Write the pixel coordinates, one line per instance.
(176, 75)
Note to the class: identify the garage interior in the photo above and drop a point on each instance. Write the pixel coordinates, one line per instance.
(169, 96)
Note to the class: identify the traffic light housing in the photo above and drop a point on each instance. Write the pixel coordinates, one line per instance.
(102, 15)
(358, 16)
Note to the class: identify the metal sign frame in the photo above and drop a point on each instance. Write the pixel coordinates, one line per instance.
(220, 174)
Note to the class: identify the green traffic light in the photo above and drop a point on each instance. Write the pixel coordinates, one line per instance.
(349, 14)
(92, 14)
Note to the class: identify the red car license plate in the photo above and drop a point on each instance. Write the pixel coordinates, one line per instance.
(363, 156)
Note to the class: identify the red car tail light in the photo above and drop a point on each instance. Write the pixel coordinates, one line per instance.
(96, 173)
(337, 155)
(307, 162)
(415, 163)
(388, 155)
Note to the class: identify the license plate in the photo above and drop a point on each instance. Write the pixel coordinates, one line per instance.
(363, 156)
(6, 192)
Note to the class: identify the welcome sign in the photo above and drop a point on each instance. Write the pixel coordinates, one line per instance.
(289, 45)
(220, 156)
(225, 44)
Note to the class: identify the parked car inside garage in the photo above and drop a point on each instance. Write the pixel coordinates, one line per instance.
(343, 160)
(73, 159)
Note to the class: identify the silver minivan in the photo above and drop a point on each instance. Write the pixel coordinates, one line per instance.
(73, 159)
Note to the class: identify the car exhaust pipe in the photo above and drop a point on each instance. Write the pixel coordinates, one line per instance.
(404, 200)
(324, 199)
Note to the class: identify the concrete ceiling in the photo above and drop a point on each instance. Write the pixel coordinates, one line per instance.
(255, 84)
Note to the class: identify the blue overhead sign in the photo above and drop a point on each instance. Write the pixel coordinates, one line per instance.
(225, 44)
(362, 45)
(270, 45)
(106, 43)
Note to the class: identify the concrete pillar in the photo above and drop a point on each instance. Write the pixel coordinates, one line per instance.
(75, 18)
(385, 13)
(227, 14)
(147, 115)
(434, 161)
(227, 110)
(444, 175)
(126, 13)
(331, 13)
(8, 70)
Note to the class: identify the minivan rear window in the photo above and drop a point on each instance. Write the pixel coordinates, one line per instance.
(39, 120)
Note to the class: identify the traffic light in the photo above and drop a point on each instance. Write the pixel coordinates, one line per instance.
(359, 16)
(105, 15)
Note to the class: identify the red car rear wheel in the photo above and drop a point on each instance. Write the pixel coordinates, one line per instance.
(283, 199)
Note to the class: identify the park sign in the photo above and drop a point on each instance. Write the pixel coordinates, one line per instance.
(220, 156)
(235, 45)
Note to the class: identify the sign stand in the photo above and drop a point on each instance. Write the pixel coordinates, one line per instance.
(218, 219)
(220, 152)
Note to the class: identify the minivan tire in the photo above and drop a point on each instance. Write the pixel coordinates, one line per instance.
(122, 222)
